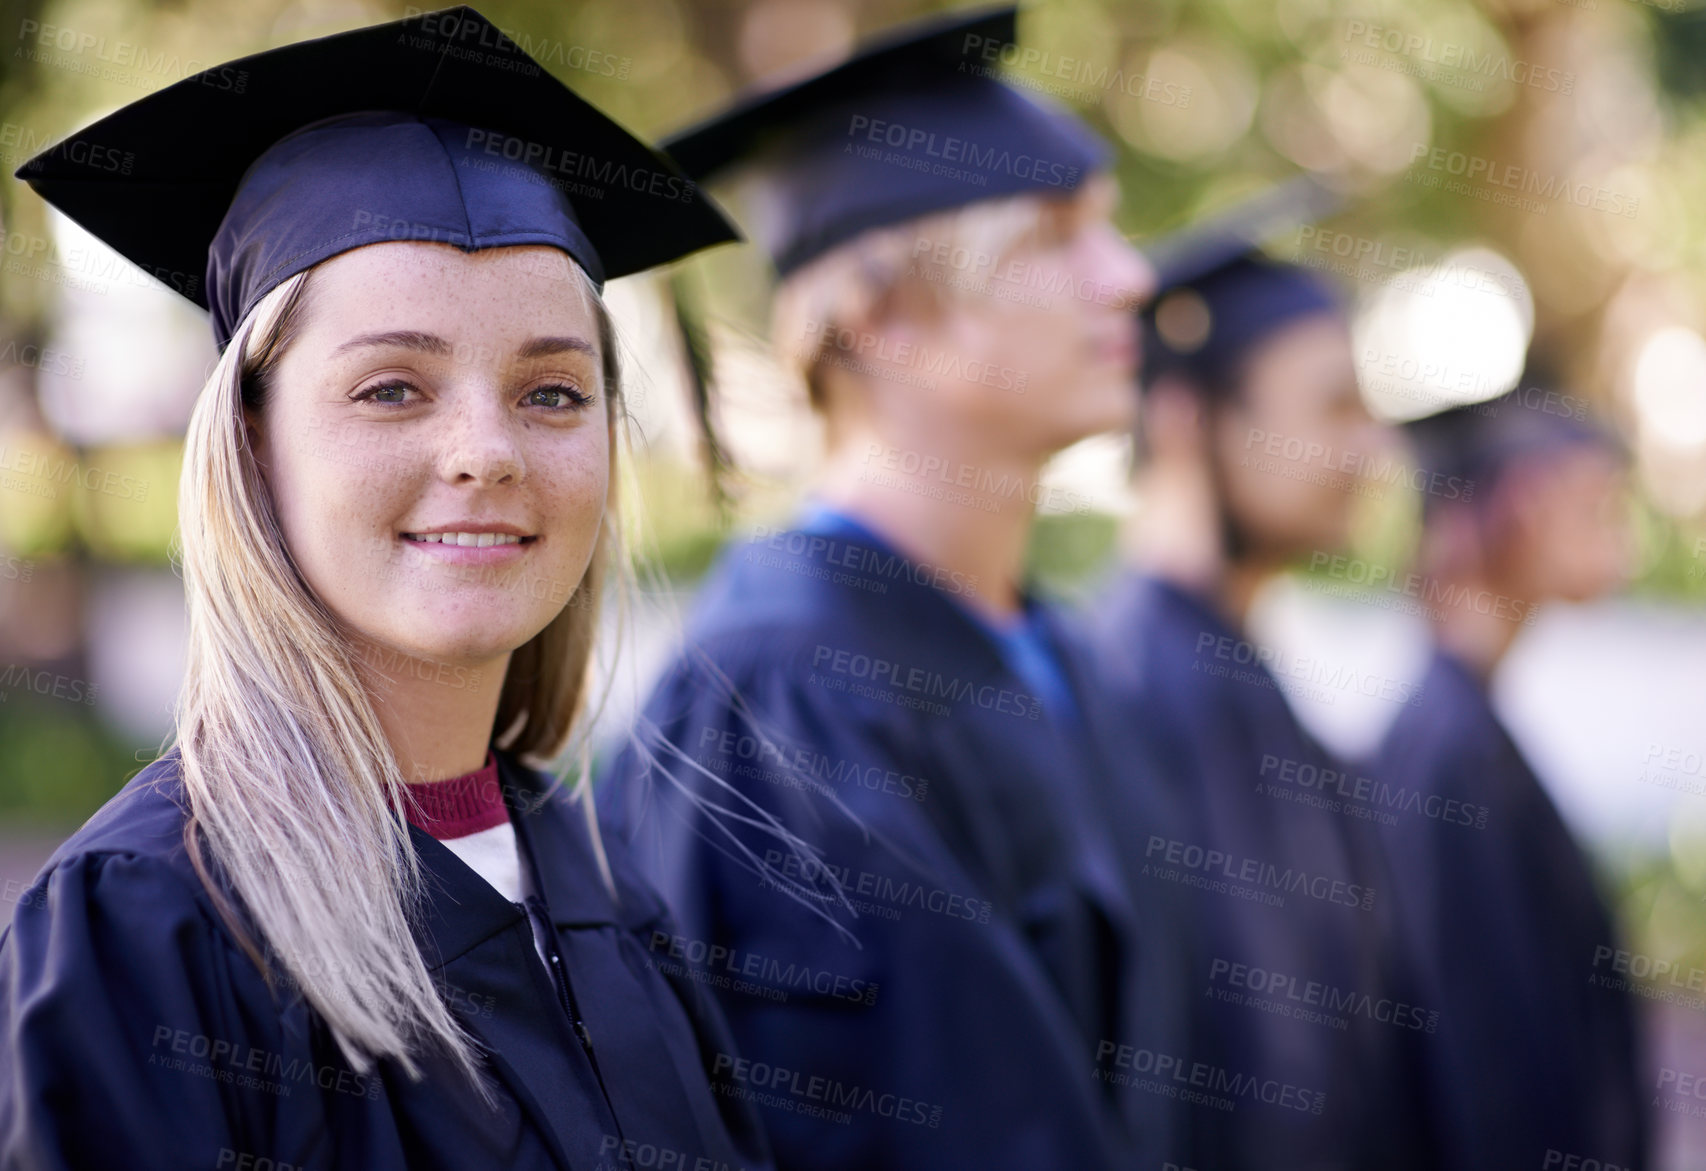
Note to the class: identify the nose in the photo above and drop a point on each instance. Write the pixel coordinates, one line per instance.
(480, 445)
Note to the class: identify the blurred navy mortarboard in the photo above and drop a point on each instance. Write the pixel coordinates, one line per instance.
(916, 122)
(436, 128)
(1477, 443)
(1218, 296)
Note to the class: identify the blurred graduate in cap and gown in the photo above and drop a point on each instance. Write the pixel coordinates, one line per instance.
(1536, 1050)
(1287, 895)
(346, 921)
(869, 782)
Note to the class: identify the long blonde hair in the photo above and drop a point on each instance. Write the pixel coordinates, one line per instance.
(290, 779)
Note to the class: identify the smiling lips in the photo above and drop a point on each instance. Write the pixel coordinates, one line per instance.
(467, 540)
(481, 545)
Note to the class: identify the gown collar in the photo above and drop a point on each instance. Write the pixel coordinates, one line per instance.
(462, 909)
(820, 517)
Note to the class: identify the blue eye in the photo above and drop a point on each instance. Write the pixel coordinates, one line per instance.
(558, 396)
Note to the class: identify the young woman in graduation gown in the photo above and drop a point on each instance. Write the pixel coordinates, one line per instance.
(394, 521)
(871, 782)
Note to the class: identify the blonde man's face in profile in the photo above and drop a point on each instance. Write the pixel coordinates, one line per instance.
(1041, 347)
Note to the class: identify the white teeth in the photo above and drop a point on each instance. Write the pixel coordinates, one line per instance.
(466, 540)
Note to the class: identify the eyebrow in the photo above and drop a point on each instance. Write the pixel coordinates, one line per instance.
(545, 347)
(405, 338)
(431, 343)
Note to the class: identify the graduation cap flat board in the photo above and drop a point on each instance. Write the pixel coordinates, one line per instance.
(916, 122)
(435, 128)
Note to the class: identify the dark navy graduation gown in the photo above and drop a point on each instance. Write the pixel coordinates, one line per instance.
(138, 1035)
(950, 1014)
(1293, 960)
(1532, 1054)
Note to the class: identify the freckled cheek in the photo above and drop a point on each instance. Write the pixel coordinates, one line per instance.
(345, 502)
(572, 490)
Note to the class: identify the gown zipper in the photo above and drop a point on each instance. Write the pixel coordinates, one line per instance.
(541, 925)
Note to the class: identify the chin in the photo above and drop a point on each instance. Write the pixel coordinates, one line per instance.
(1114, 411)
(481, 642)
(458, 637)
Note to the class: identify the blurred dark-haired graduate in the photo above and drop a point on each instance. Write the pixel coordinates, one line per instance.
(870, 782)
(1535, 1055)
(1292, 982)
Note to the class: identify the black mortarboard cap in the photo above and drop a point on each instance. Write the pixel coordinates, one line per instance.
(434, 128)
(1477, 443)
(916, 122)
(1218, 296)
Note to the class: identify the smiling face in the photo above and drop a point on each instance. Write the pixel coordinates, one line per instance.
(437, 443)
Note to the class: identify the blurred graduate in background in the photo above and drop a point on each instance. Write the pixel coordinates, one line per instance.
(1246, 360)
(870, 782)
(1535, 1050)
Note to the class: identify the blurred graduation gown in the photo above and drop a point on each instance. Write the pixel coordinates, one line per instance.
(1533, 1052)
(1219, 728)
(140, 1036)
(995, 945)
